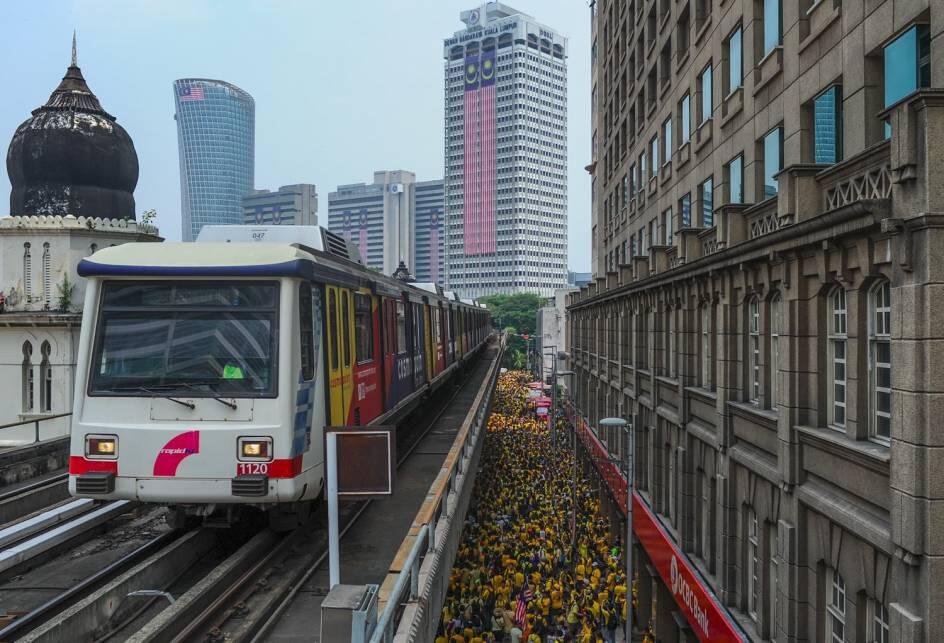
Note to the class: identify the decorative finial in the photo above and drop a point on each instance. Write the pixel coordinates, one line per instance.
(74, 63)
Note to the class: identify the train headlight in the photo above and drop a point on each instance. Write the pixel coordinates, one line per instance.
(101, 446)
(255, 449)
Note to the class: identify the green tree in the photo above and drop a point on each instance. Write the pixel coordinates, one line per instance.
(519, 310)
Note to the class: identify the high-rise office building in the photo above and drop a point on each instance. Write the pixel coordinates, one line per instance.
(505, 154)
(378, 218)
(766, 314)
(429, 232)
(289, 205)
(216, 140)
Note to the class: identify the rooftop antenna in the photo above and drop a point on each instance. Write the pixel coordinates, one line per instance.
(74, 64)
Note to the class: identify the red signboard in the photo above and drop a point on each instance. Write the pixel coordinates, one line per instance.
(707, 617)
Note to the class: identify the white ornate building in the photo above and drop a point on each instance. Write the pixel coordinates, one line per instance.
(41, 299)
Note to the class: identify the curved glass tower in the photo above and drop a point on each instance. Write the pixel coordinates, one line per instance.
(216, 133)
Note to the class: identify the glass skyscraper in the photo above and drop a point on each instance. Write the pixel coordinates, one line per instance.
(216, 132)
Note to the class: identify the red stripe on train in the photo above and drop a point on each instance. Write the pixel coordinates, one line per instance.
(79, 465)
(285, 468)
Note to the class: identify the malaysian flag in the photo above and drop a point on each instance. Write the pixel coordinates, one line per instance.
(470, 160)
(486, 199)
(189, 92)
(521, 609)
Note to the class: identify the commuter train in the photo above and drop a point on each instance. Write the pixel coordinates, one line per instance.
(207, 371)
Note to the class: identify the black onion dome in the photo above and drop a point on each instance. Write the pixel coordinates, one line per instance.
(71, 157)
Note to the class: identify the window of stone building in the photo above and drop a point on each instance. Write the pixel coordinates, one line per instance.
(773, 35)
(773, 596)
(773, 161)
(753, 350)
(837, 339)
(880, 368)
(26, 378)
(683, 31)
(734, 62)
(671, 344)
(667, 140)
(665, 63)
(735, 175)
(877, 622)
(707, 343)
(667, 227)
(752, 565)
(684, 118)
(706, 196)
(654, 154)
(27, 272)
(669, 484)
(642, 359)
(827, 126)
(685, 210)
(705, 95)
(642, 170)
(776, 328)
(47, 275)
(702, 12)
(45, 379)
(835, 607)
(705, 518)
(907, 65)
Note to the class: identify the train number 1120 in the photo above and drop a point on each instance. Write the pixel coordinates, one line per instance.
(252, 468)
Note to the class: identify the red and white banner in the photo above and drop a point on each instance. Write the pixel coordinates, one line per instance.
(708, 618)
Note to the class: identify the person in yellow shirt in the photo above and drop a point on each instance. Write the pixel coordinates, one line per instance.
(545, 602)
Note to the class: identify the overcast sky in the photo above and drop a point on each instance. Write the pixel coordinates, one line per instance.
(342, 88)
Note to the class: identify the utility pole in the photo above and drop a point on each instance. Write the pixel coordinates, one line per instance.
(627, 465)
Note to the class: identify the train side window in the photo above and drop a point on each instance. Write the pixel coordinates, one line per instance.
(401, 328)
(306, 328)
(363, 328)
(346, 327)
(333, 326)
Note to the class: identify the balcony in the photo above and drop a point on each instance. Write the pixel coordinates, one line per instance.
(865, 176)
(764, 218)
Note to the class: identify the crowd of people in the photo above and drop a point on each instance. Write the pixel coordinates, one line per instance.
(537, 562)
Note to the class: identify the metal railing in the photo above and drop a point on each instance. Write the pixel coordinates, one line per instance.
(408, 604)
(35, 421)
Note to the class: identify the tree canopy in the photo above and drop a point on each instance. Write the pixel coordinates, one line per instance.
(518, 311)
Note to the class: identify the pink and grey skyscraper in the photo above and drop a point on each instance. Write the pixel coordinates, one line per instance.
(505, 154)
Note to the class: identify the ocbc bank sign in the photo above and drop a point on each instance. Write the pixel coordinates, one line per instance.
(685, 595)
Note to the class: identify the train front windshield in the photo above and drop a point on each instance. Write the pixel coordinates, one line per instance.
(178, 338)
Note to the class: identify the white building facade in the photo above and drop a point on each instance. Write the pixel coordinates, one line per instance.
(379, 218)
(551, 331)
(41, 297)
(505, 154)
(289, 205)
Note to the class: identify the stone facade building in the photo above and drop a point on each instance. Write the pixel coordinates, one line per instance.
(766, 311)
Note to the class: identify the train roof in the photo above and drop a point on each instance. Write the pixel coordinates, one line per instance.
(272, 258)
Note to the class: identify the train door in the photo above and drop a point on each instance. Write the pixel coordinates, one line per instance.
(428, 341)
(340, 316)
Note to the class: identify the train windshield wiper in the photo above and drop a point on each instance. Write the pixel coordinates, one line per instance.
(193, 387)
(155, 393)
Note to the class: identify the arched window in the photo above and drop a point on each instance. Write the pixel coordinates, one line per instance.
(835, 607)
(753, 350)
(837, 357)
(776, 328)
(47, 275)
(45, 379)
(880, 361)
(27, 272)
(93, 248)
(27, 377)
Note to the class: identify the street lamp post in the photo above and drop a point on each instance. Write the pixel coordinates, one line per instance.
(629, 452)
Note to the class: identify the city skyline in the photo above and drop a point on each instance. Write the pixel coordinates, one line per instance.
(342, 120)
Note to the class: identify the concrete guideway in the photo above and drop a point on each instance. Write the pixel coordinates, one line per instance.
(368, 549)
